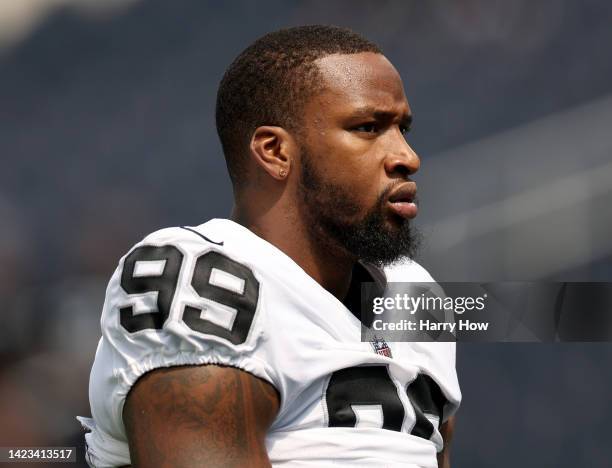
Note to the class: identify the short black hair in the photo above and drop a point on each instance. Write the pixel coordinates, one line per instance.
(270, 81)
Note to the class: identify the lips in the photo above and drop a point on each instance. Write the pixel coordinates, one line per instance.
(402, 201)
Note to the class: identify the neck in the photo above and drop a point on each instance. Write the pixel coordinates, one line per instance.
(329, 267)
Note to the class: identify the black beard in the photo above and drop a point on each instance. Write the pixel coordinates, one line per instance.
(330, 212)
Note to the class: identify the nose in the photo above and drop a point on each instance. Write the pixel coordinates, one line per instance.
(401, 158)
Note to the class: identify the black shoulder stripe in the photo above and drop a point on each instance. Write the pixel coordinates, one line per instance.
(201, 235)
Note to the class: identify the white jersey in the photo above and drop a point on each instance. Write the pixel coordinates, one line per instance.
(219, 294)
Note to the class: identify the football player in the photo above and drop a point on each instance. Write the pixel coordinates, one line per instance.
(237, 342)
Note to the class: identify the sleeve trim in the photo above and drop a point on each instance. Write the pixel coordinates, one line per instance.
(129, 375)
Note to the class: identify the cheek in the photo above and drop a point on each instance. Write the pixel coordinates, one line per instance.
(345, 157)
(362, 183)
(353, 165)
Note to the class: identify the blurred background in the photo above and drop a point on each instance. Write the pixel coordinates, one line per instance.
(107, 133)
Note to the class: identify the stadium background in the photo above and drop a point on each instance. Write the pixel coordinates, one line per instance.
(107, 133)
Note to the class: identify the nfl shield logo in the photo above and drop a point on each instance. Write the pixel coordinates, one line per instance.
(381, 347)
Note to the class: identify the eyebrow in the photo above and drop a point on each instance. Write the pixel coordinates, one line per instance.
(378, 114)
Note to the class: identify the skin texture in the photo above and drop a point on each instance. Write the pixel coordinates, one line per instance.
(192, 416)
(214, 416)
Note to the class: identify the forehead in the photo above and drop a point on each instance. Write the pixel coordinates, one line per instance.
(361, 80)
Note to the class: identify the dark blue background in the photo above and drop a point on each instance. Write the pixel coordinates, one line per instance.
(107, 133)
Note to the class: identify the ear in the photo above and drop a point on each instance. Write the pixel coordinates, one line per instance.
(274, 150)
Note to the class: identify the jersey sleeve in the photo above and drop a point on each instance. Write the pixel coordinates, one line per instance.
(175, 299)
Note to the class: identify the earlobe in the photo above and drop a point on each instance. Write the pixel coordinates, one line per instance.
(272, 149)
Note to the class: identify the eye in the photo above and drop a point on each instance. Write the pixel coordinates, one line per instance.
(370, 127)
(405, 129)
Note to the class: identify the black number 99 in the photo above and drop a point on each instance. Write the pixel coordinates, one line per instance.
(156, 269)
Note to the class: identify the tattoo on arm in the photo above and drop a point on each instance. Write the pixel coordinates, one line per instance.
(199, 416)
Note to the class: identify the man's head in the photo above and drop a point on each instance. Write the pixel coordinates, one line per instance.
(316, 115)
(270, 82)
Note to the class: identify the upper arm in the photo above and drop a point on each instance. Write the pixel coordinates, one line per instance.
(446, 431)
(199, 416)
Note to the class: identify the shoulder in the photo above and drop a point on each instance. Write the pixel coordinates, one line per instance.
(180, 296)
(211, 233)
(216, 242)
(187, 292)
(222, 235)
(186, 277)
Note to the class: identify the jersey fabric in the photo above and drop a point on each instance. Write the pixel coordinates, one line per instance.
(219, 294)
